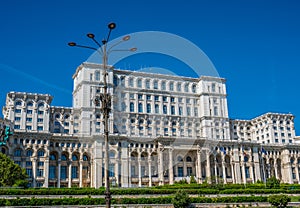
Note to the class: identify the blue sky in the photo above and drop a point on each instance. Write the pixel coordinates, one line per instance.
(253, 44)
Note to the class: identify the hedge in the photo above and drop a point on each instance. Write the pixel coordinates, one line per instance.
(98, 201)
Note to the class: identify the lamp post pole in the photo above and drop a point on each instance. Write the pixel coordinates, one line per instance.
(105, 97)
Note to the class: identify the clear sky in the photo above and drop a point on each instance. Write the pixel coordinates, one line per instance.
(254, 44)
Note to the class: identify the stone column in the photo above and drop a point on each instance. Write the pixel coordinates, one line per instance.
(224, 170)
(46, 169)
(161, 166)
(70, 174)
(34, 172)
(232, 172)
(140, 169)
(58, 173)
(149, 170)
(243, 164)
(208, 173)
(171, 174)
(276, 167)
(125, 165)
(98, 164)
(296, 171)
(216, 171)
(256, 161)
(80, 173)
(129, 171)
(237, 165)
(199, 172)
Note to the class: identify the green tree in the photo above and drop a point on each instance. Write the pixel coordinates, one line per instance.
(273, 183)
(181, 199)
(279, 200)
(11, 174)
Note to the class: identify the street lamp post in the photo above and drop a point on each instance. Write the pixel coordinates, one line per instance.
(105, 97)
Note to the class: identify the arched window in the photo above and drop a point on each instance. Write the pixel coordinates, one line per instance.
(179, 87)
(131, 107)
(186, 87)
(52, 157)
(41, 153)
(246, 158)
(29, 153)
(165, 109)
(171, 86)
(139, 83)
(85, 158)
(74, 158)
(63, 157)
(18, 103)
(116, 81)
(179, 159)
(188, 159)
(194, 88)
(163, 85)
(140, 108)
(29, 104)
(41, 105)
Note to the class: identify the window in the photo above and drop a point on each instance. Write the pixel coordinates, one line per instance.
(17, 153)
(85, 158)
(130, 82)
(17, 118)
(41, 153)
(52, 172)
(40, 128)
(131, 107)
(140, 108)
(156, 108)
(148, 97)
(156, 98)
(163, 86)
(188, 111)
(164, 98)
(189, 171)
(194, 88)
(139, 83)
(40, 112)
(63, 172)
(140, 96)
(148, 84)
(28, 163)
(165, 109)
(172, 99)
(40, 163)
(111, 170)
(247, 171)
(29, 119)
(196, 111)
(165, 131)
(17, 110)
(123, 106)
(216, 111)
(180, 110)
(18, 103)
(40, 120)
(40, 172)
(148, 108)
(74, 158)
(155, 84)
(173, 110)
(97, 75)
(179, 87)
(186, 87)
(171, 86)
(74, 172)
(29, 172)
(180, 171)
(30, 104)
(131, 96)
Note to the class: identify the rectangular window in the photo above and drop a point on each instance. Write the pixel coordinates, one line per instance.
(18, 111)
(40, 172)
(155, 85)
(140, 96)
(28, 127)
(172, 99)
(40, 128)
(131, 96)
(180, 111)
(74, 173)
(180, 171)
(164, 98)
(188, 111)
(156, 108)
(131, 82)
(148, 97)
(166, 132)
(40, 120)
(148, 84)
(17, 118)
(29, 172)
(111, 170)
(216, 111)
(63, 172)
(40, 163)
(173, 110)
(247, 171)
(196, 111)
(189, 171)
(52, 172)
(17, 127)
(29, 111)
(133, 171)
(29, 119)
(28, 163)
(41, 112)
(156, 98)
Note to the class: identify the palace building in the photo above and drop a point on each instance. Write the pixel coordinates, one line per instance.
(162, 129)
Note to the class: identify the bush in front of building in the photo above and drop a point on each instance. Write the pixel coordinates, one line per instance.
(279, 200)
(273, 183)
(181, 199)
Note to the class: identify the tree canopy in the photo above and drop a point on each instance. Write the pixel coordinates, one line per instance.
(11, 174)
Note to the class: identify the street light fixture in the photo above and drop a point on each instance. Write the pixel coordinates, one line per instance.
(105, 98)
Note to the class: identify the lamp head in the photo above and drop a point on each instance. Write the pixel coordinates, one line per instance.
(133, 49)
(72, 44)
(112, 25)
(127, 37)
(90, 35)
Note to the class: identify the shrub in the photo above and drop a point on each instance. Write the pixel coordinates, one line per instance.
(273, 182)
(181, 200)
(193, 180)
(279, 200)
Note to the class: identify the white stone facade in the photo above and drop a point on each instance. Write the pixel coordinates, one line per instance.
(162, 128)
